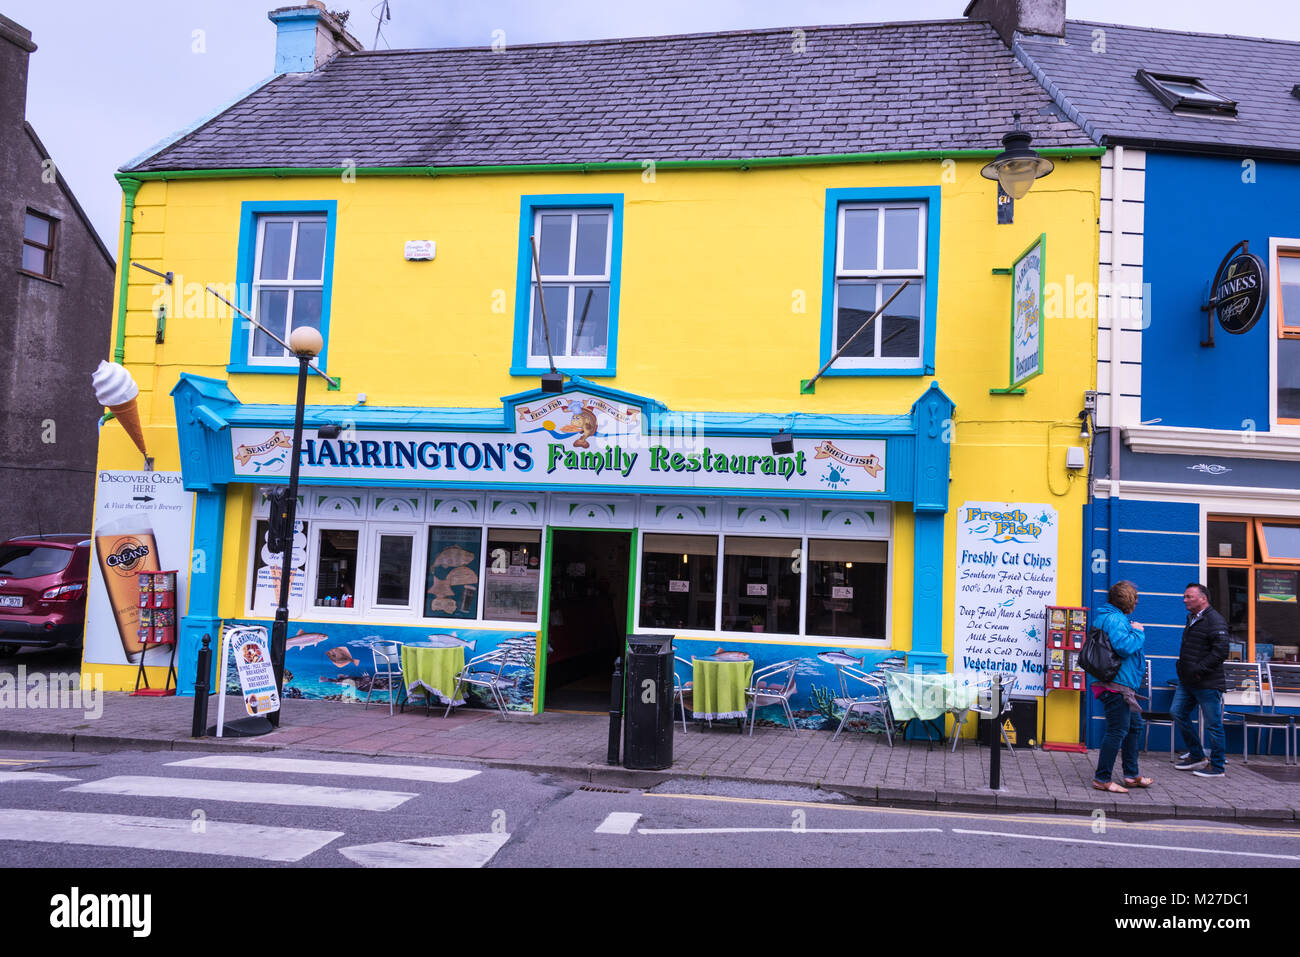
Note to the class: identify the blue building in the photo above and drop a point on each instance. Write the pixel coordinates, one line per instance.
(1196, 466)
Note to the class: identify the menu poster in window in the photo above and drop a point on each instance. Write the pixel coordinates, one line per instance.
(269, 566)
(452, 580)
(1273, 586)
(1006, 565)
(678, 585)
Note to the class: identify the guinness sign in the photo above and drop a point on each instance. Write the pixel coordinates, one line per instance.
(1240, 292)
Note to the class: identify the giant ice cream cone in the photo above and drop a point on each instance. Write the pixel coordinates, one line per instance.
(115, 389)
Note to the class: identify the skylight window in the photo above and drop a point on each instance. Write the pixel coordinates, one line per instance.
(1186, 93)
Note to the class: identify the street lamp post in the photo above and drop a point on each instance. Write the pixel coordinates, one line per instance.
(305, 343)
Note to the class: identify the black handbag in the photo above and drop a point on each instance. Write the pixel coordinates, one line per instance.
(1098, 658)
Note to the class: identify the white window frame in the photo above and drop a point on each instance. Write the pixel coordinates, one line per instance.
(337, 612)
(880, 277)
(288, 283)
(572, 281)
(1276, 245)
(369, 560)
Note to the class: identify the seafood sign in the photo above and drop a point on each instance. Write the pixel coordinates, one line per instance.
(1026, 313)
(869, 463)
(1006, 576)
(278, 440)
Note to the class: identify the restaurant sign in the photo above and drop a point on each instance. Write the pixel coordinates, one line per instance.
(1027, 313)
(573, 439)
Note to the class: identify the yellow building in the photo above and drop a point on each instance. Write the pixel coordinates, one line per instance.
(714, 217)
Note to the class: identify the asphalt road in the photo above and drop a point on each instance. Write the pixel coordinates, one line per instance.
(305, 809)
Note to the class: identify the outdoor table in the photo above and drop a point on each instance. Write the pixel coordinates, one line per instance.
(719, 686)
(433, 670)
(928, 697)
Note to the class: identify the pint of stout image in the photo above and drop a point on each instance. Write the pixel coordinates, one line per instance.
(124, 547)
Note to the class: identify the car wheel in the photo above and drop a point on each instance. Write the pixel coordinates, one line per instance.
(8, 651)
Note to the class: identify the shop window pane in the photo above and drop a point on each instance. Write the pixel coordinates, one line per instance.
(847, 588)
(394, 585)
(336, 567)
(272, 312)
(901, 335)
(451, 582)
(760, 589)
(553, 245)
(902, 238)
(861, 238)
(1279, 542)
(277, 239)
(511, 582)
(590, 321)
(679, 581)
(309, 259)
(1225, 540)
(1277, 614)
(1230, 595)
(557, 315)
(593, 244)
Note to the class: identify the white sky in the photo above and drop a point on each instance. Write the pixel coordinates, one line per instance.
(112, 78)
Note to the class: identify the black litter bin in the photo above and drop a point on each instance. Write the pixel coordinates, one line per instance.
(648, 703)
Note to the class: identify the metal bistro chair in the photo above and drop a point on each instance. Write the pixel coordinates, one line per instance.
(1162, 718)
(488, 670)
(874, 700)
(1246, 689)
(682, 689)
(1284, 688)
(773, 684)
(984, 708)
(388, 665)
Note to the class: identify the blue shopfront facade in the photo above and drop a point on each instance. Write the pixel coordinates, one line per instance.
(1207, 483)
(470, 523)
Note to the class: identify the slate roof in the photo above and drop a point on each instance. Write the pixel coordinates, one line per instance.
(1101, 92)
(857, 88)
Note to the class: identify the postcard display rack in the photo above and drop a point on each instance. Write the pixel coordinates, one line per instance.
(157, 626)
(1067, 627)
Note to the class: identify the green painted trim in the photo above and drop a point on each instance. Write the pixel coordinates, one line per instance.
(130, 186)
(543, 626)
(757, 162)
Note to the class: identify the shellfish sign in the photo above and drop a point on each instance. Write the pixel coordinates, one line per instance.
(1006, 575)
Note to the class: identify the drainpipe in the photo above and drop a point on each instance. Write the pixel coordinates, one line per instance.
(129, 188)
(1116, 218)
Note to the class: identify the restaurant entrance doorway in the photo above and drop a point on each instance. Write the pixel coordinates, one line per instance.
(587, 618)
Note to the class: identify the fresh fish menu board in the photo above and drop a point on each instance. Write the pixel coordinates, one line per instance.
(1007, 565)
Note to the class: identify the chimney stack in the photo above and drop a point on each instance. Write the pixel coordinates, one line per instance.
(15, 47)
(307, 37)
(1009, 17)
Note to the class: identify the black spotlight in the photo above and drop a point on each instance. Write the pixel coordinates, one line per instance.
(553, 382)
(783, 443)
(329, 431)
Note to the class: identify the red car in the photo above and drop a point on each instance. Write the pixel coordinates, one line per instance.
(43, 591)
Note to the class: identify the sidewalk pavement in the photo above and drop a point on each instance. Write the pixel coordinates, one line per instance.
(572, 745)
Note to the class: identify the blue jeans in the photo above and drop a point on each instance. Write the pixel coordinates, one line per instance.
(1210, 701)
(1123, 728)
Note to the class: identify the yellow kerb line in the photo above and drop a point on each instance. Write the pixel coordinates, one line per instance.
(1047, 818)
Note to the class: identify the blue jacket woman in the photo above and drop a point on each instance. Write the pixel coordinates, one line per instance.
(1119, 697)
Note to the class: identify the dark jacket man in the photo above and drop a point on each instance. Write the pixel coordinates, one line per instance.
(1203, 651)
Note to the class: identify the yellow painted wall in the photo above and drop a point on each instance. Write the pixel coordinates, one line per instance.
(714, 266)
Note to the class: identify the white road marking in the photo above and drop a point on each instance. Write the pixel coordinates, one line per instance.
(1148, 847)
(451, 850)
(263, 843)
(789, 830)
(355, 799)
(252, 762)
(619, 822)
(33, 776)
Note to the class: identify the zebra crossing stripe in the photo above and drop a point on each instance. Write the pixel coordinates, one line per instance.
(248, 792)
(261, 842)
(33, 776)
(253, 762)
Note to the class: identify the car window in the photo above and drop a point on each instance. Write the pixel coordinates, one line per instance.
(32, 561)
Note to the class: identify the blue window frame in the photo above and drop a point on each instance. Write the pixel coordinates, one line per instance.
(874, 239)
(284, 276)
(580, 247)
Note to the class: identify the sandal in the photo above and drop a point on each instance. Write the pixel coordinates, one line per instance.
(1139, 782)
(1110, 786)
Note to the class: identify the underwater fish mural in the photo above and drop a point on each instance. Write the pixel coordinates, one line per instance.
(305, 639)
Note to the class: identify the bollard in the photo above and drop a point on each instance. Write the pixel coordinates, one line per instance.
(995, 759)
(200, 726)
(615, 712)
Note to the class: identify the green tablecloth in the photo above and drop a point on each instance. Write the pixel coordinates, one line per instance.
(927, 697)
(718, 689)
(433, 670)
